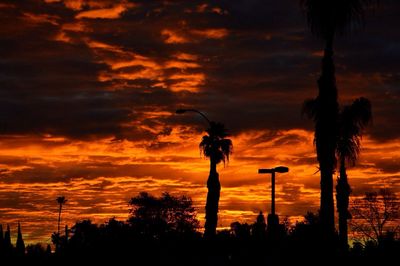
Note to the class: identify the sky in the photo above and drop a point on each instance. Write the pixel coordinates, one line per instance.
(89, 89)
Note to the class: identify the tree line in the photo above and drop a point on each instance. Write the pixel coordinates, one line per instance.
(166, 230)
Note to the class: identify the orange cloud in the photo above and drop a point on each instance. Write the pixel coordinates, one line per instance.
(67, 28)
(62, 37)
(181, 64)
(211, 33)
(41, 18)
(99, 177)
(172, 37)
(187, 82)
(219, 11)
(126, 65)
(72, 4)
(77, 5)
(186, 56)
(105, 13)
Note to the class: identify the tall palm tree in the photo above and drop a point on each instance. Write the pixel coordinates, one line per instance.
(326, 19)
(60, 200)
(352, 120)
(217, 147)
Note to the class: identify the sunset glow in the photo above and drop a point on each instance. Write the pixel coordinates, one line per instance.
(89, 91)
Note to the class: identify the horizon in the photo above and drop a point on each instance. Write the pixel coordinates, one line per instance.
(89, 91)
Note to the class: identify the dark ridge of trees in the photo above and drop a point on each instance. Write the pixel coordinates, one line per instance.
(7, 250)
(164, 231)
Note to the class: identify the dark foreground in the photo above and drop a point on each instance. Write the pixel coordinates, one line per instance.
(224, 250)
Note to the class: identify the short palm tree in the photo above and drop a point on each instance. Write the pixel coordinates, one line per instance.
(60, 200)
(217, 148)
(352, 120)
(326, 19)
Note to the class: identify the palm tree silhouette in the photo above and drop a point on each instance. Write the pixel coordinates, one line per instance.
(327, 19)
(60, 200)
(217, 148)
(352, 120)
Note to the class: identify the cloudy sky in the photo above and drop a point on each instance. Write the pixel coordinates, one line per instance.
(89, 89)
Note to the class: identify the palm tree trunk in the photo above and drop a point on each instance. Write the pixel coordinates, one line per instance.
(325, 138)
(59, 220)
(214, 188)
(343, 191)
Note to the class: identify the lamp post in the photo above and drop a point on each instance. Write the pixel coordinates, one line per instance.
(182, 111)
(273, 219)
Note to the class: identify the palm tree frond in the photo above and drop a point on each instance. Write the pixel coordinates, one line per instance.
(361, 110)
(353, 119)
(215, 145)
(335, 16)
(61, 200)
(226, 149)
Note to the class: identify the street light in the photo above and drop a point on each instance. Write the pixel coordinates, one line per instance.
(213, 184)
(182, 111)
(273, 219)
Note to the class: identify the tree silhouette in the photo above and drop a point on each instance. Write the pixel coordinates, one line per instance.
(217, 147)
(85, 236)
(35, 251)
(60, 200)
(352, 120)
(241, 231)
(20, 245)
(156, 217)
(327, 19)
(1, 238)
(48, 249)
(376, 215)
(259, 227)
(7, 240)
(306, 234)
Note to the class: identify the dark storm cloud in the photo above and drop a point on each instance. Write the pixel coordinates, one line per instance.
(50, 86)
(256, 77)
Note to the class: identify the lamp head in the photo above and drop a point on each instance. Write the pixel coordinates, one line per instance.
(181, 111)
(281, 169)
